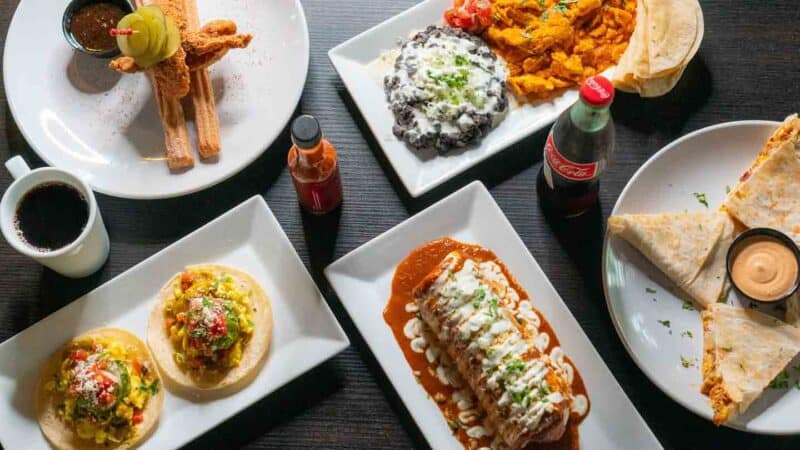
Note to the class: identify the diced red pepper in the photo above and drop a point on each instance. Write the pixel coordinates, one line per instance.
(470, 15)
(138, 417)
(79, 355)
(187, 279)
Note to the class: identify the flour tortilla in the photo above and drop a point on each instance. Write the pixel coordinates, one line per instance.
(672, 30)
(689, 248)
(770, 197)
(667, 35)
(743, 350)
(253, 356)
(711, 283)
(61, 435)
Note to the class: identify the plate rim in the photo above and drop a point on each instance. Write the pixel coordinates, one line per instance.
(472, 192)
(417, 190)
(171, 194)
(338, 343)
(705, 413)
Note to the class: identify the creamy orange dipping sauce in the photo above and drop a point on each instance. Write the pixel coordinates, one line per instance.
(764, 268)
(437, 373)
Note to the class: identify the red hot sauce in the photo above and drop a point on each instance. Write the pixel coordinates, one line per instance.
(314, 167)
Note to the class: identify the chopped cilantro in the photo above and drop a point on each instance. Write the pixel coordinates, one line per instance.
(687, 305)
(545, 16)
(479, 295)
(521, 396)
(515, 366)
(541, 3)
(152, 388)
(452, 80)
(650, 290)
(686, 363)
(461, 61)
(493, 312)
(701, 197)
(688, 334)
(664, 322)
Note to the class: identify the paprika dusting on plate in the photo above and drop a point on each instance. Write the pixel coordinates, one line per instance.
(314, 167)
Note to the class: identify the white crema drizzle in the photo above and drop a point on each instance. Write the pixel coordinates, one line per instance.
(465, 320)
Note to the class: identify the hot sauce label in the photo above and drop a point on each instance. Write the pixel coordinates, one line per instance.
(323, 196)
(566, 168)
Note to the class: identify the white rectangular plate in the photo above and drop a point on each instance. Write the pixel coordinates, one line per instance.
(363, 280)
(249, 237)
(354, 61)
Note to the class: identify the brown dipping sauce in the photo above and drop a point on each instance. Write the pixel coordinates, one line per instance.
(764, 268)
(408, 274)
(91, 25)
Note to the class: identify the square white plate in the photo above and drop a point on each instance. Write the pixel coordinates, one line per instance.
(249, 237)
(354, 61)
(363, 279)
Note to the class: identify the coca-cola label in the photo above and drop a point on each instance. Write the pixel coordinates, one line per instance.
(566, 168)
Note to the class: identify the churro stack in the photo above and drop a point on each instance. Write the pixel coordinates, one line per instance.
(186, 73)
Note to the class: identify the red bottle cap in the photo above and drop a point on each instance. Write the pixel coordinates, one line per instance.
(597, 91)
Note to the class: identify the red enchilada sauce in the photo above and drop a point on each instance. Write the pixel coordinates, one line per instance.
(397, 315)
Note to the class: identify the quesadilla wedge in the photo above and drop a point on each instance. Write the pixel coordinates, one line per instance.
(768, 193)
(743, 350)
(689, 248)
(210, 331)
(101, 390)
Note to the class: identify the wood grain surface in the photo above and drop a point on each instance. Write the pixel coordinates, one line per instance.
(746, 69)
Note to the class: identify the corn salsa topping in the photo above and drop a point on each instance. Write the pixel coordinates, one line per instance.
(102, 388)
(209, 322)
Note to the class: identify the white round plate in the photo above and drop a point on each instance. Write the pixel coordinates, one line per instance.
(705, 161)
(80, 116)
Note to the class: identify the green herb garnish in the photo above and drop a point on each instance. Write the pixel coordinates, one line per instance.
(493, 312)
(461, 61)
(687, 305)
(664, 322)
(152, 388)
(650, 290)
(688, 334)
(701, 197)
(515, 366)
(479, 294)
(686, 363)
(452, 80)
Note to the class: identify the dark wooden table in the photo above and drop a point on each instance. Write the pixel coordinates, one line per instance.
(746, 69)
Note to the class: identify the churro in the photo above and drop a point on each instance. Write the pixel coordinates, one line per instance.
(184, 72)
(205, 108)
(176, 136)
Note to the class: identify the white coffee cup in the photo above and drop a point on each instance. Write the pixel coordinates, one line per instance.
(83, 256)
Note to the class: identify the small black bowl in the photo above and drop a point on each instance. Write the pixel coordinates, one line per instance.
(66, 22)
(770, 233)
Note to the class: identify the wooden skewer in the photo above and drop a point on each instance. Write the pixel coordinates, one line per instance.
(205, 108)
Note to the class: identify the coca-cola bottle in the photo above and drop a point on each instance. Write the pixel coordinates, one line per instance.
(577, 150)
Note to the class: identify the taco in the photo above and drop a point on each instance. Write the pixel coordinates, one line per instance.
(99, 391)
(210, 331)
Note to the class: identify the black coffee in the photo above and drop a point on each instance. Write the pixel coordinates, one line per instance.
(51, 216)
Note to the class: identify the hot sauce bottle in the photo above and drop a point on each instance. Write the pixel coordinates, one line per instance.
(314, 167)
